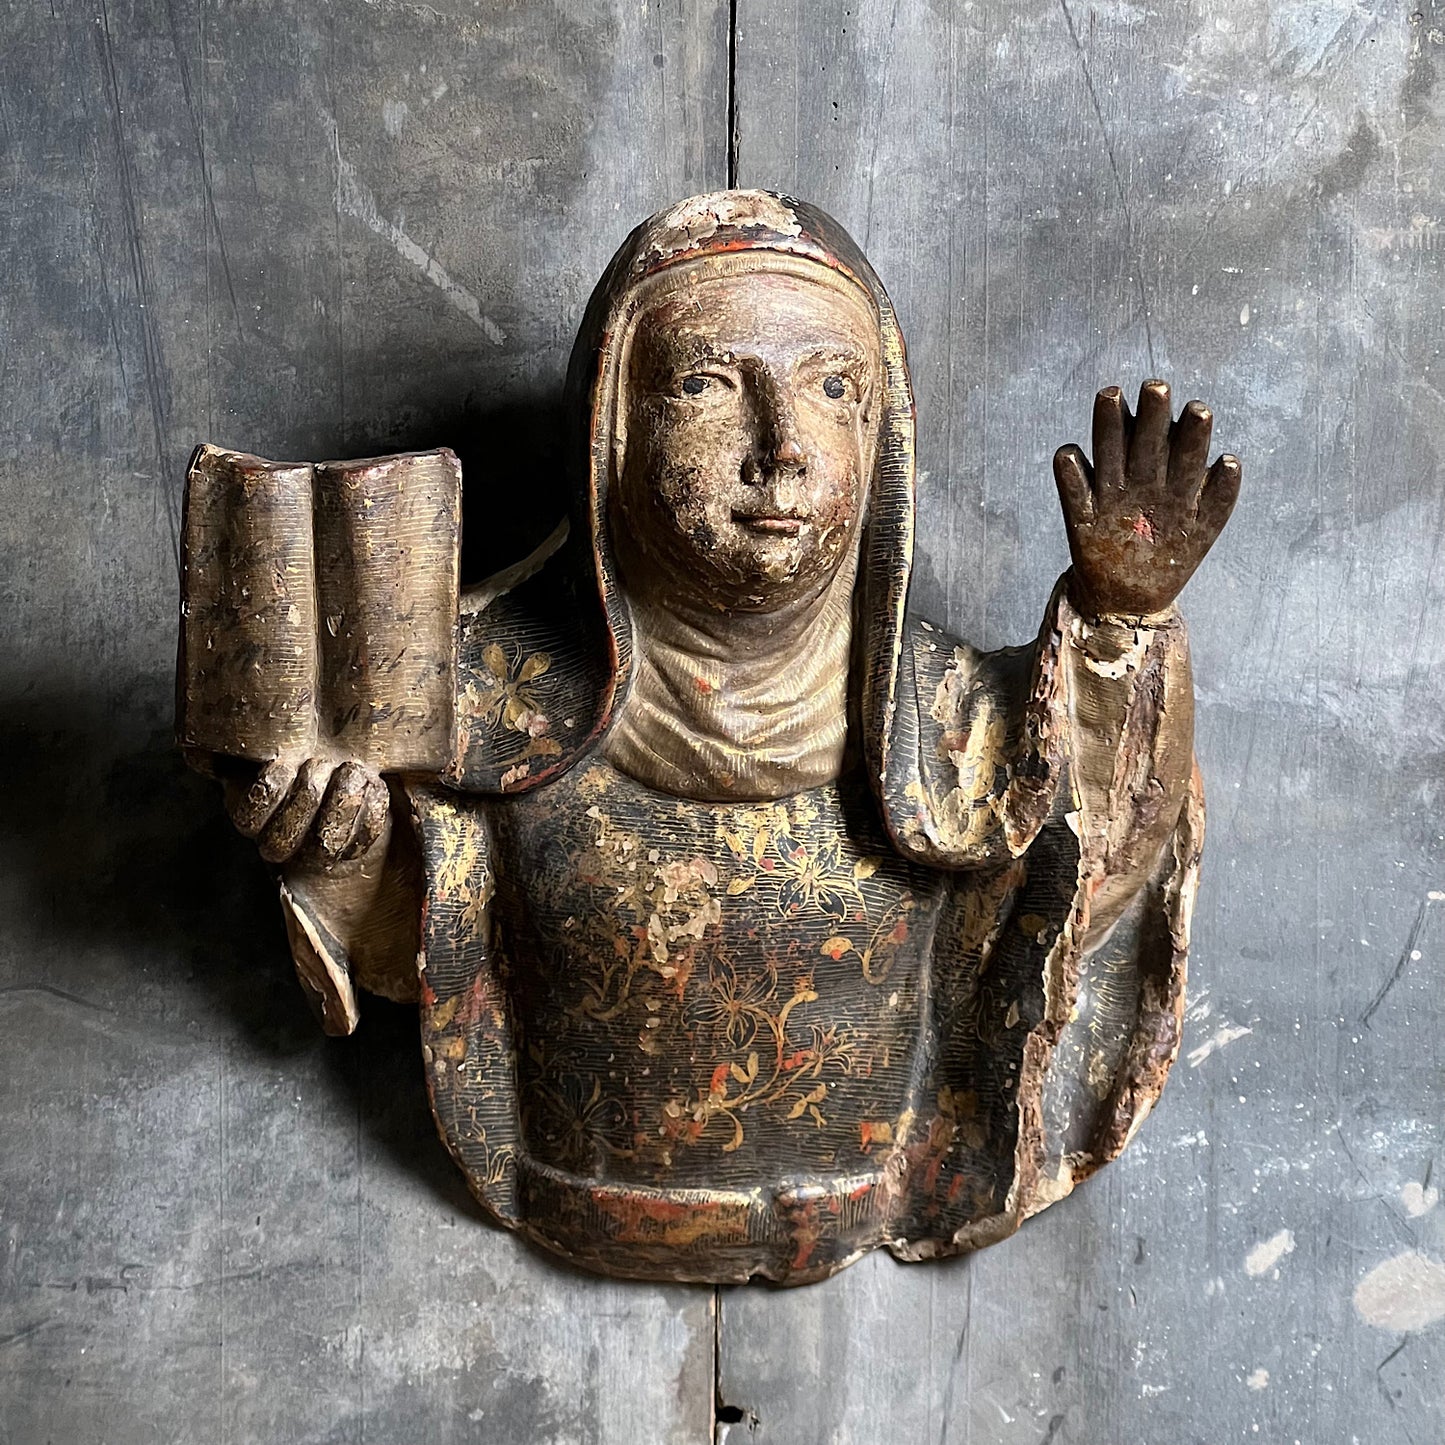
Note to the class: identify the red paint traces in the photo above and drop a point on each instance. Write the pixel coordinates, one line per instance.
(476, 1004)
(702, 684)
(680, 978)
(1143, 527)
(646, 1219)
(647, 1206)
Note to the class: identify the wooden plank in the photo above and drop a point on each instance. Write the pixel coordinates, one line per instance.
(1239, 199)
(324, 230)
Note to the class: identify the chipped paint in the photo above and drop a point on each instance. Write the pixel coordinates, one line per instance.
(1221, 1038)
(1405, 1292)
(699, 218)
(1265, 1256)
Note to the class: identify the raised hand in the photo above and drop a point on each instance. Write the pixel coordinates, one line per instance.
(1141, 518)
(322, 812)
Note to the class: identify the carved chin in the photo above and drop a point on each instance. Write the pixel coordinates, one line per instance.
(723, 559)
(777, 559)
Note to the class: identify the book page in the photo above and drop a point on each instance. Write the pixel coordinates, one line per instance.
(246, 681)
(387, 567)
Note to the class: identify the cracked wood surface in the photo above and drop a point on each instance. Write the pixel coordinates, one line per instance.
(271, 226)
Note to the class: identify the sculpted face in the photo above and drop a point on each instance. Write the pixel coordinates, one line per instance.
(749, 418)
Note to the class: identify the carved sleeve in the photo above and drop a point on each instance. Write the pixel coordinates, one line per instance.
(1090, 728)
(1058, 780)
(358, 924)
(1130, 704)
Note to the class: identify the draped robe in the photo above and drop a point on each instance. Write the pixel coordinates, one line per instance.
(709, 1040)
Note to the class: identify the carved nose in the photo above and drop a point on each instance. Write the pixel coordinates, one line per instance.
(788, 455)
(777, 448)
(785, 457)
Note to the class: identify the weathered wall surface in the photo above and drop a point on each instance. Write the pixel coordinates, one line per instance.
(336, 229)
(307, 230)
(1246, 200)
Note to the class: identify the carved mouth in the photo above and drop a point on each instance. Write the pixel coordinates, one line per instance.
(770, 523)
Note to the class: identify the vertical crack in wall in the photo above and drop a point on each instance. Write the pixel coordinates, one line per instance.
(717, 1396)
(732, 93)
(724, 1414)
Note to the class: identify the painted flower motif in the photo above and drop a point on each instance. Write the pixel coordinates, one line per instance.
(830, 1045)
(811, 876)
(737, 1005)
(877, 955)
(792, 1083)
(512, 700)
(578, 1119)
(814, 877)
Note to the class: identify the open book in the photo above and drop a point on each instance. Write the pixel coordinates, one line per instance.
(319, 608)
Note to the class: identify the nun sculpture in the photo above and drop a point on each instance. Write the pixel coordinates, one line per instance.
(753, 922)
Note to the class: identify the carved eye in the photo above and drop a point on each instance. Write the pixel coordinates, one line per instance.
(694, 385)
(834, 387)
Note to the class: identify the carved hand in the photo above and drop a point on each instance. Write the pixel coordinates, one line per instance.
(322, 812)
(1141, 518)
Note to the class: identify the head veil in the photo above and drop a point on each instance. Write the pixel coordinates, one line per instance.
(579, 620)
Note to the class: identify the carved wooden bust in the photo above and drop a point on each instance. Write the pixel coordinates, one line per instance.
(754, 923)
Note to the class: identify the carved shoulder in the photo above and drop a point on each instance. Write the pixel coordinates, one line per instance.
(530, 681)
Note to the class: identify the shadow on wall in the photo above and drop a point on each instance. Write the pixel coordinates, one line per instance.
(132, 894)
(513, 473)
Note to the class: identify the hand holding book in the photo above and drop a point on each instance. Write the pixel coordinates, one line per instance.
(336, 811)
(318, 639)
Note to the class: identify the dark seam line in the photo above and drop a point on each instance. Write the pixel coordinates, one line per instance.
(732, 93)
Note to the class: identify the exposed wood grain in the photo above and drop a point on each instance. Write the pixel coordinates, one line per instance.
(1239, 199)
(322, 230)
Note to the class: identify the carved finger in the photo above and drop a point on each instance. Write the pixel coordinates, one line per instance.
(340, 809)
(1189, 453)
(252, 808)
(372, 818)
(287, 830)
(1149, 446)
(1111, 437)
(1221, 491)
(1076, 492)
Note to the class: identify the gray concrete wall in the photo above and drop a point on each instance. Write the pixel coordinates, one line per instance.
(334, 229)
